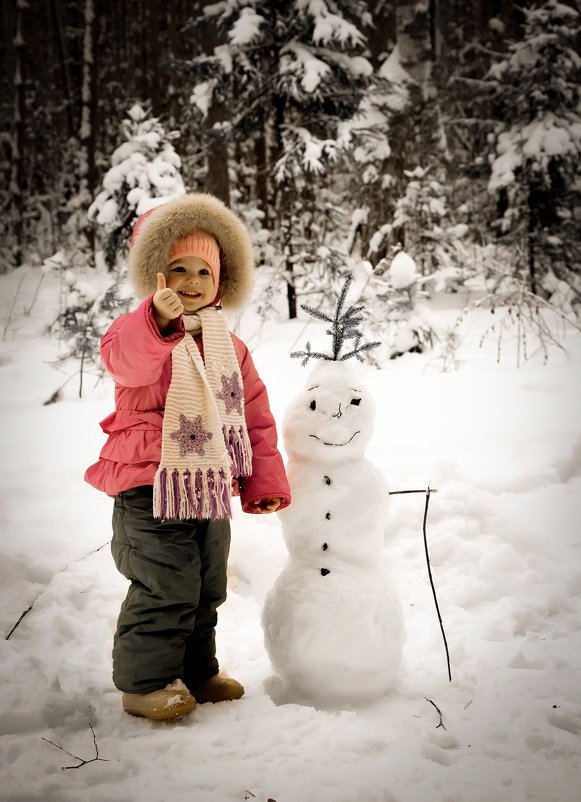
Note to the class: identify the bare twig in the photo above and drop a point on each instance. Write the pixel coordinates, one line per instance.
(403, 492)
(28, 609)
(441, 724)
(56, 396)
(428, 492)
(523, 313)
(12, 305)
(82, 761)
(28, 310)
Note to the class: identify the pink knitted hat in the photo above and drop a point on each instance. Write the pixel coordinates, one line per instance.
(198, 243)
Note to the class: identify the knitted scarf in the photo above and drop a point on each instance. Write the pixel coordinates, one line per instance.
(204, 440)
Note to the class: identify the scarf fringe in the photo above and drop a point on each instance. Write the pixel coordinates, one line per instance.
(239, 450)
(179, 495)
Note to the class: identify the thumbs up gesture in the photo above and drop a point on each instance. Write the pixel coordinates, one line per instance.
(166, 304)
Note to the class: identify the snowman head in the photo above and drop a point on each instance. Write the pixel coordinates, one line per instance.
(332, 418)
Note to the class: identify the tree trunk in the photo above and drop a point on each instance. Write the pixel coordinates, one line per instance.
(413, 23)
(172, 52)
(152, 60)
(137, 34)
(439, 29)
(531, 252)
(17, 177)
(88, 115)
(286, 232)
(261, 162)
(381, 34)
(286, 223)
(217, 177)
(279, 107)
(64, 65)
(283, 203)
(291, 294)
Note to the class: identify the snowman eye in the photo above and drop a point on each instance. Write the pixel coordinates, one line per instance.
(355, 401)
(313, 404)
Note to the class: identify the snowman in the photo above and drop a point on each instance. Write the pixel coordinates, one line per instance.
(333, 625)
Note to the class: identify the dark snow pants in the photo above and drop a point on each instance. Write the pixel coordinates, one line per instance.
(166, 626)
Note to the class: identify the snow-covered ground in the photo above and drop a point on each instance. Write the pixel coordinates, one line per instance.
(503, 448)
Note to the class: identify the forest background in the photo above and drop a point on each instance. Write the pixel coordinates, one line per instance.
(344, 132)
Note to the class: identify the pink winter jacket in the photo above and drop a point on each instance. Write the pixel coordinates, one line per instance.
(138, 358)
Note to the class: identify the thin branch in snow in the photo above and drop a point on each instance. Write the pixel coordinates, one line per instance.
(8, 320)
(521, 312)
(82, 761)
(441, 724)
(428, 492)
(25, 612)
(403, 492)
(28, 309)
(28, 609)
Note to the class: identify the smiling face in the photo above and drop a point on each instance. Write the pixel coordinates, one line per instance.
(191, 279)
(332, 419)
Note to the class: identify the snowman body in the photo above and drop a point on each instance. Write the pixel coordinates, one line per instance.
(332, 622)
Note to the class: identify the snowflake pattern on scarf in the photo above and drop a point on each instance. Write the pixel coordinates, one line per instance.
(231, 393)
(191, 435)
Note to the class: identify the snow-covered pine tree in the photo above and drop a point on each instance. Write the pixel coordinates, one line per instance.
(536, 155)
(293, 68)
(403, 185)
(290, 73)
(144, 170)
(85, 313)
(393, 299)
(423, 224)
(373, 144)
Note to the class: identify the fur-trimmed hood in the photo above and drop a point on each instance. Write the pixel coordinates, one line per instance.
(156, 232)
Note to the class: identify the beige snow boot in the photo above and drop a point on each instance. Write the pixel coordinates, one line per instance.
(218, 689)
(170, 702)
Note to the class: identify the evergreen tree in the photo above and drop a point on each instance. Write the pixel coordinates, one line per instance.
(289, 73)
(393, 297)
(378, 133)
(84, 319)
(144, 169)
(290, 70)
(344, 326)
(537, 143)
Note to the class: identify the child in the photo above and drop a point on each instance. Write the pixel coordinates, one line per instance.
(192, 424)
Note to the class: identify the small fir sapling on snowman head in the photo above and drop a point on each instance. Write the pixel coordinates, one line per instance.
(342, 409)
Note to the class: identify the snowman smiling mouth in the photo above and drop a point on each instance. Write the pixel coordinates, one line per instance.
(336, 444)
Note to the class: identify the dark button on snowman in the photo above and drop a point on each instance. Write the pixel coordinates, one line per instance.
(333, 626)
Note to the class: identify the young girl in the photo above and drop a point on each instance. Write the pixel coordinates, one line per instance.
(192, 425)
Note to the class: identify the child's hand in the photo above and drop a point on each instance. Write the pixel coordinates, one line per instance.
(264, 506)
(166, 304)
